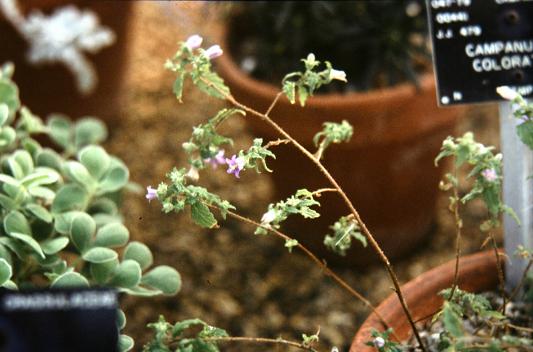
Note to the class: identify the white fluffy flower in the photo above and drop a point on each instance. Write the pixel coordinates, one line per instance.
(268, 217)
(379, 342)
(193, 174)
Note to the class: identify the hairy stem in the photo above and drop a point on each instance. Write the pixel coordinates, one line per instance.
(350, 206)
(262, 340)
(499, 267)
(323, 266)
(521, 283)
(458, 227)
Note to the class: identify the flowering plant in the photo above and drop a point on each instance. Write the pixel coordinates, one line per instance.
(59, 210)
(207, 147)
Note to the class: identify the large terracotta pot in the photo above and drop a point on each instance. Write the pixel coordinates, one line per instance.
(51, 87)
(387, 169)
(478, 273)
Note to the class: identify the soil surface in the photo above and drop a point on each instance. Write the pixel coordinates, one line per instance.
(249, 285)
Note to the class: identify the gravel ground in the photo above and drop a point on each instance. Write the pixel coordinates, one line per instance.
(246, 284)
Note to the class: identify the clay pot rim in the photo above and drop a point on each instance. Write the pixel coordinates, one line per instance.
(470, 264)
(401, 91)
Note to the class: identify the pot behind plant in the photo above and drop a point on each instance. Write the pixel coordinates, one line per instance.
(51, 88)
(387, 169)
(477, 273)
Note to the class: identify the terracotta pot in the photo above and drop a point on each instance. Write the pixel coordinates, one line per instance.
(387, 169)
(51, 87)
(478, 273)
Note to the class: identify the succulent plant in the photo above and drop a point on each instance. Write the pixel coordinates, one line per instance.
(59, 209)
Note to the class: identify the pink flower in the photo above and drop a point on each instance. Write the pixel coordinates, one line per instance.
(194, 41)
(235, 165)
(489, 175)
(213, 52)
(151, 193)
(218, 159)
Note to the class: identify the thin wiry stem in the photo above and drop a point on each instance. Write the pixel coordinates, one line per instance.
(278, 341)
(522, 281)
(373, 243)
(350, 206)
(458, 227)
(323, 266)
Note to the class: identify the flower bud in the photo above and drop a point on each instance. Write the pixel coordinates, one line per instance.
(338, 75)
(194, 41)
(379, 342)
(213, 52)
(507, 93)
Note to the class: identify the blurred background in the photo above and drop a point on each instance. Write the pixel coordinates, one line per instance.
(250, 285)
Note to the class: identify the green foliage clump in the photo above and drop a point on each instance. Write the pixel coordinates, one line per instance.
(59, 210)
(344, 230)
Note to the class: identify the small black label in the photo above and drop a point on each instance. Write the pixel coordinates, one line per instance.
(58, 320)
(479, 45)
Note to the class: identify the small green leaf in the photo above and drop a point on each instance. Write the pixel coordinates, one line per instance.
(125, 343)
(33, 244)
(7, 136)
(202, 216)
(114, 179)
(48, 158)
(121, 319)
(95, 159)
(16, 222)
(70, 197)
(99, 255)
(140, 253)
(4, 113)
(41, 176)
(10, 285)
(89, 131)
(112, 235)
(5, 271)
(40, 212)
(59, 130)
(54, 245)
(163, 278)
(42, 192)
(127, 274)
(525, 133)
(80, 174)
(102, 271)
(7, 203)
(177, 88)
(9, 95)
(82, 231)
(70, 279)
(25, 161)
(63, 222)
(451, 320)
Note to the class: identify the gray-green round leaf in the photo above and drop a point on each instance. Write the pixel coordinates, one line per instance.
(5, 271)
(116, 178)
(48, 158)
(30, 241)
(121, 319)
(70, 197)
(4, 114)
(82, 231)
(127, 274)
(89, 131)
(41, 176)
(59, 127)
(80, 174)
(15, 221)
(25, 161)
(101, 272)
(163, 278)
(140, 253)
(112, 235)
(70, 279)
(7, 136)
(54, 245)
(40, 212)
(99, 255)
(95, 159)
(9, 95)
(125, 343)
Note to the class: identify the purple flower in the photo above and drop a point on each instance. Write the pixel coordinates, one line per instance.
(213, 52)
(489, 175)
(379, 342)
(218, 159)
(235, 165)
(151, 193)
(194, 41)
